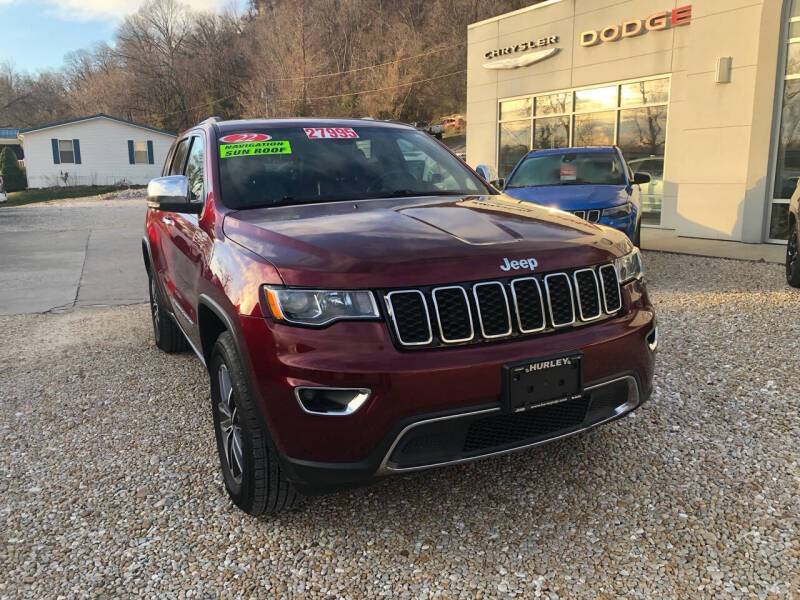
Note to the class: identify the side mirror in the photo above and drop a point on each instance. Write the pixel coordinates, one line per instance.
(484, 172)
(498, 183)
(641, 178)
(171, 194)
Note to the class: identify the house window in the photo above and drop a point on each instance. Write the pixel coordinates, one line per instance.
(140, 156)
(66, 151)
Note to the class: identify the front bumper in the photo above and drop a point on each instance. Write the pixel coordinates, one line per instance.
(414, 393)
(456, 437)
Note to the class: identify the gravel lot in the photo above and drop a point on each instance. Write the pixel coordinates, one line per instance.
(109, 483)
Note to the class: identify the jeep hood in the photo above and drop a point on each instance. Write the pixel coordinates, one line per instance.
(385, 243)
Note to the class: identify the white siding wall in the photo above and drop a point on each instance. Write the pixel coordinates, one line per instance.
(104, 154)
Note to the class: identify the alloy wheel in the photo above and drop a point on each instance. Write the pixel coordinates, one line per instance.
(154, 310)
(229, 424)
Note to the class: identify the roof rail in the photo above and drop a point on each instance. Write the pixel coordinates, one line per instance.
(211, 120)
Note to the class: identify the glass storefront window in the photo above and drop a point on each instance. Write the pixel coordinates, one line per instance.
(642, 137)
(787, 157)
(551, 132)
(779, 222)
(787, 164)
(594, 129)
(653, 91)
(632, 115)
(515, 109)
(554, 104)
(642, 131)
(596, 99)
(515, 142)
(793, 59)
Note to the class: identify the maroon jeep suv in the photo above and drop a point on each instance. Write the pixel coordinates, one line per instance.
(366, 305)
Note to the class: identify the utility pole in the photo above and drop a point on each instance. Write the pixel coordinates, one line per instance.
(266, 102)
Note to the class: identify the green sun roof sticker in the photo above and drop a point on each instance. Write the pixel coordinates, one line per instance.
(255, 148)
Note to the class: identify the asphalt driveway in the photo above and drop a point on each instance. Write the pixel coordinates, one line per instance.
(69, 253)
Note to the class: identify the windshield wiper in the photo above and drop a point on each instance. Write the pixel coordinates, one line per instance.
(294, 201)
(412, 193)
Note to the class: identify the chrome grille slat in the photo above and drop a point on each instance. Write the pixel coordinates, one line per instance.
(561, 322)
(392, 311)
(587, 313)
(463, 293)
(593, 216)
(483, 311)
(517, 309)
(609, 284)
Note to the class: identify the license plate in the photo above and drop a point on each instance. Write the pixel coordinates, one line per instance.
(528, 383)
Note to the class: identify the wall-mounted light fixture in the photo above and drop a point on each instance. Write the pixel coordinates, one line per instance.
(724, 65)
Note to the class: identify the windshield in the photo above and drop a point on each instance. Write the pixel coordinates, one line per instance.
(569, 168)
(295, 165)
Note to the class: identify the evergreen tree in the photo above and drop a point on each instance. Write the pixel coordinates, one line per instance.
(14, 179)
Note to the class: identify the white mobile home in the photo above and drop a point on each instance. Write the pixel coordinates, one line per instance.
(94, 150)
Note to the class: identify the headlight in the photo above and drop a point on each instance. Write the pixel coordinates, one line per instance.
(320, 307)
(615, 212)
(629, 267)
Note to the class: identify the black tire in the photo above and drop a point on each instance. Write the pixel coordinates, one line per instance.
(793, 258)
(253, 477)
(637, 236)
(166, 333)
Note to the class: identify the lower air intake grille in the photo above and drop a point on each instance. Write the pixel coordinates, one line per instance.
(510, 429)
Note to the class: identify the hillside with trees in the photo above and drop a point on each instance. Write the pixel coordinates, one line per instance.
(170, 67)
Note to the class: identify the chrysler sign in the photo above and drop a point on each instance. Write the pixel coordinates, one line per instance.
(518, 55)
(634, 27)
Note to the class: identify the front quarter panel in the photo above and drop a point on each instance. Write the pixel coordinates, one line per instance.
(237, 275)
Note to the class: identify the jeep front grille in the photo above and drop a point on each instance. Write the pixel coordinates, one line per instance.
(593, 216)
(483, 311)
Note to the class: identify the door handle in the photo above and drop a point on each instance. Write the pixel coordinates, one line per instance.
(167, 221)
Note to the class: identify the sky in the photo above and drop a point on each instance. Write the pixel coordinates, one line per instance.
(36, 34)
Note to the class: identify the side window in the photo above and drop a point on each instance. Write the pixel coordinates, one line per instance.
(179, 158)
(194, 170)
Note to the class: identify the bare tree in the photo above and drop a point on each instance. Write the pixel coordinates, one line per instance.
(170, 66)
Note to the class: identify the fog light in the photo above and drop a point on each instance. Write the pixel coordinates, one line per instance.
(652, 339)
(331, 401)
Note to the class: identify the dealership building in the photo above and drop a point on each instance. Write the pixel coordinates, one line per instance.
(703, 97)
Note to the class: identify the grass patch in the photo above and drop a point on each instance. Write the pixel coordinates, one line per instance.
(59, 193)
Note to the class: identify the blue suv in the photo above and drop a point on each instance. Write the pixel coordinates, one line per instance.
(594, 183)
